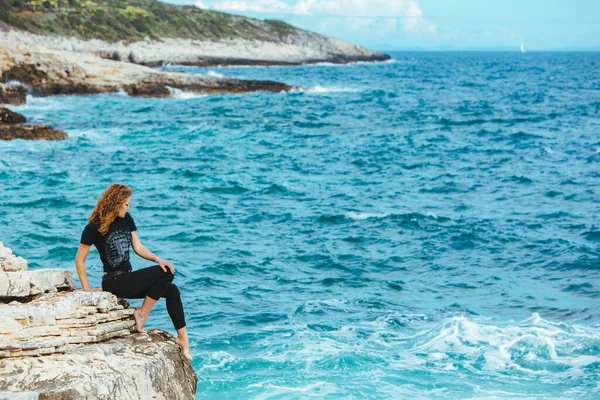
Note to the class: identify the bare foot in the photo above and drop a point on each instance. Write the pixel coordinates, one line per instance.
(185, 347)
(140, 319)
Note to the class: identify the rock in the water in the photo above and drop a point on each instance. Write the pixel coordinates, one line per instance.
(10, 117)
(11, 127)
(30, 132)
(12, 94)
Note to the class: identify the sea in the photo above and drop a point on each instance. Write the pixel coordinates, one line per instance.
(422, 228)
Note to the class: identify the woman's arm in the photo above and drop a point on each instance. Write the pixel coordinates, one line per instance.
(82, 253)
(143, 252)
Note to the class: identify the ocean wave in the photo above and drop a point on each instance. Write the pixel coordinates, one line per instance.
(329, 89)
(322, 307)
(46, 202)
(353, 63)
(358, 216)
(217, 361)
(190, 238)
(234, 190)
(534, 346)
(317, 389)
(499, 121)
(361, 216)
(215, 74)
(181, 95)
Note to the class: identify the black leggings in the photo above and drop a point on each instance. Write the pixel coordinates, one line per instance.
(152, 282)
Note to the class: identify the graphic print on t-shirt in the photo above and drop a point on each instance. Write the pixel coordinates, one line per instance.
(117, 247)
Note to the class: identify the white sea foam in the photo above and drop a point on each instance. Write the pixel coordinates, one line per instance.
(331, 89)
(180, 94)
(512, 355)
(42, 104)
(360, 216)
(315, 390)
(123, 93)
(535, 346)
(215, 74)
(350, 64)
(290, 389)
(318, 305)
(217, 361)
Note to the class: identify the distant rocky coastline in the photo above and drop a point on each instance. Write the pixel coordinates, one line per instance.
(60, 343)
(49, 66)
(151, 32)
(106, 47)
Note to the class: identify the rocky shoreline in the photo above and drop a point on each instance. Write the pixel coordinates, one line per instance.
(40, 69)
(50, 67)
(233, 62)
(299, 49)
(60, 343)
(53, 65)
(44, 65)
(12, 126)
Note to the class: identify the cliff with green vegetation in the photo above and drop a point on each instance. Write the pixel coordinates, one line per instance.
(175, 34)
(131, 20)
(58, 47)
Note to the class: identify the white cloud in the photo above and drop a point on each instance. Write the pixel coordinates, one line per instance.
(317, 7)
(359, 24)
(407, 12)
(256, 5)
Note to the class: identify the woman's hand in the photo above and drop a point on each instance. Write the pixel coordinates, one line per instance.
(165, 264)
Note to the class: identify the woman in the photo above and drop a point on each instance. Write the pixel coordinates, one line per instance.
(112, 230)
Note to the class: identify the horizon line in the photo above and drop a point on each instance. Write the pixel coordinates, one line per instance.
(490, 49)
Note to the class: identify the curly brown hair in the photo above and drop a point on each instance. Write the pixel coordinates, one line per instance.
(108, 205)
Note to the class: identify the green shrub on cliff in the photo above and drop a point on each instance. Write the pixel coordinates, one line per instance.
(132, 20)
(131, 13)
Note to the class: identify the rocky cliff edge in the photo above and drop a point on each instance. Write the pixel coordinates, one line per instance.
(61, 343)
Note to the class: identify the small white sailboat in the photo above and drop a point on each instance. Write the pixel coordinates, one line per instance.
(522, 48)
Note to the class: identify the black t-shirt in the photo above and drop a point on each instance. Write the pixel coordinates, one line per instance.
(114, 246)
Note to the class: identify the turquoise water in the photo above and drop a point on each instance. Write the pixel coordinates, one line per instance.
(426, 227)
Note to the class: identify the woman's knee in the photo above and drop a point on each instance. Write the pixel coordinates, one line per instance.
(166, 275)
(172, 291)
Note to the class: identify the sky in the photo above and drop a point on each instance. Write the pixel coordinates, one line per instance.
(434, 24)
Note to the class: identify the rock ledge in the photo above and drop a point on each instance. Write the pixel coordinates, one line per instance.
(61, 343)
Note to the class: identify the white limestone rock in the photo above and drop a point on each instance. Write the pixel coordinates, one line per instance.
(14, 264)
(5, 252)
(300, 47)
(31, 283)
(141, 366)
(9, 262)
(4, 284)
(80, 345)
(58, 278)
(53, 321)
(19, 396)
